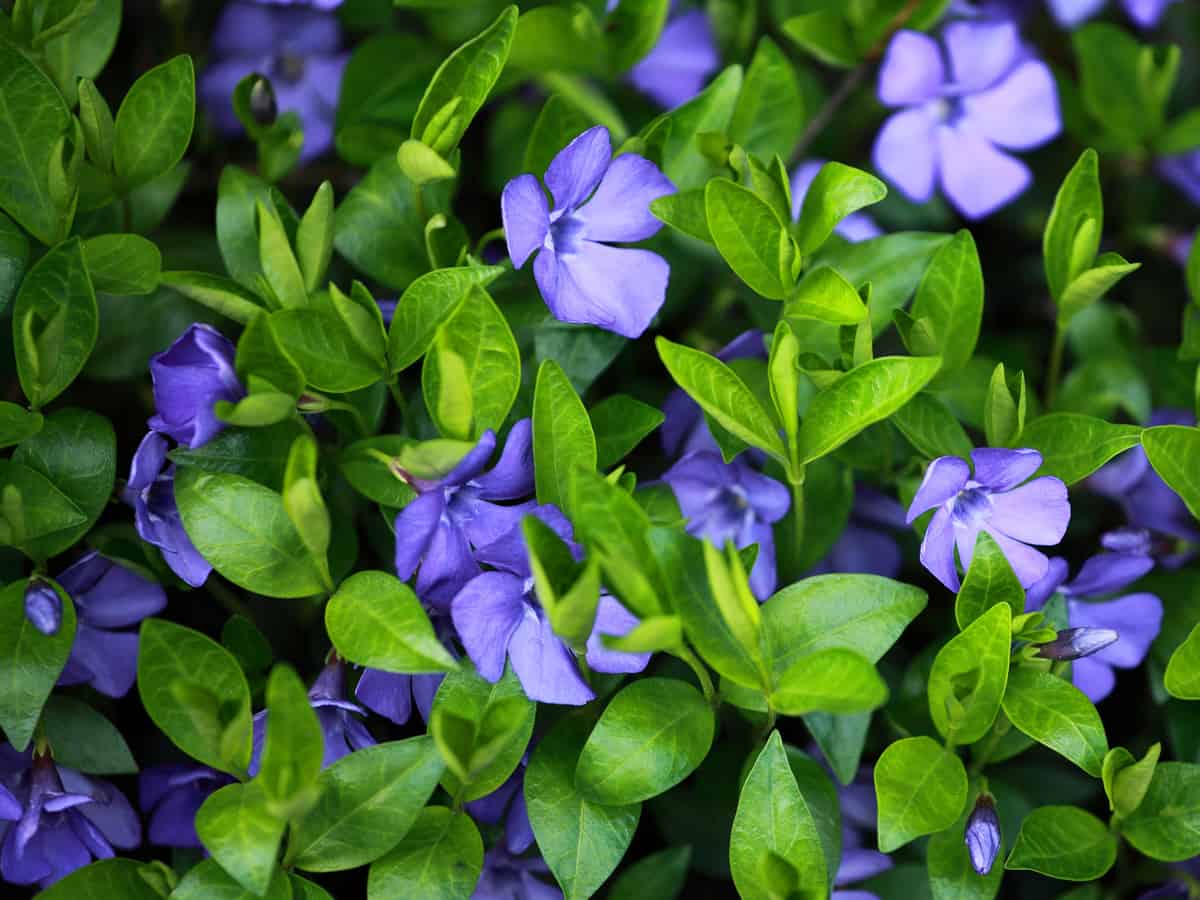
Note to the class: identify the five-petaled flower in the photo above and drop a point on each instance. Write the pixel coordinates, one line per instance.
(598, 201)
(1144, 13)
(190, 377)
(994, 500)
(958, 116)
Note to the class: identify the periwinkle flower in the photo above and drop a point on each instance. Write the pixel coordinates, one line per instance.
(510, 876)
(498, 617)
(107, 596)
(684, 429)
(858, 226)
(995, 500)
(171, 794)
(151, 492)
(680, 64)
(958, 117)
(54, 820)
(342, 730)
(298, 49)
(1136, 618)
(316, 4)
(866, 545)
(43, 607)
(438, 532)
(982, 835)
(598, 201)
(190, 377)
(1183, 171)
(507, 804)
(726, 502)
(1144, 13)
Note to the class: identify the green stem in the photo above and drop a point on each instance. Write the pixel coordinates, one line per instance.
(493, 235)
(768, 725)
(1055, 368)
(798, 513)
(706, 685)
(979, 760)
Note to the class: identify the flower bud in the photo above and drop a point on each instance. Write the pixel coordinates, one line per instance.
(1127, 540)
(1076, 643)
(43, 607)
(982, 835)
(262, 102)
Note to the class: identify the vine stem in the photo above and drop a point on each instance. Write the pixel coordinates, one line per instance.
(798, 517)
(706, 685)
(1054, 371)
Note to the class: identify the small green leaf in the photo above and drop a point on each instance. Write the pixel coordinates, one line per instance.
(242, 834)
(314, 238)
(1127, 781)
(154, 122)
(562, 434)
(950, 297)
(836, 192)
(1004, 413)
(825, 295)
(989, 580)
(1182, 677)
(1073, 446)
(1056, 713)
(748, 235)
(969, 676)
(921, 789)
(620, 423)
(33, 662)
(208, 881)
(660, 875)
(1072, 234)
(1092, 284)
(219, 294)
(931, 428)
(427, 303)
(440, 858)
(1063, 842)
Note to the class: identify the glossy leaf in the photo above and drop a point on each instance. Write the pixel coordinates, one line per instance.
(989, 580)
(440, 858)
(969, 676)
(1056, 713)
(242, 834)
(950, 298)
(32, 664)
(154, 122)
(425, 304)
(1073, 446)
(1063, 842)
(836, 192)
(1173, 451)
(749, 236)
(920, 789)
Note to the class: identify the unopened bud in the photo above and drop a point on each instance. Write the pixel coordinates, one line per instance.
(262, 102)
(982, 835)
(1076, 643)
(1127, 540)
(43, 607)
(313, 403)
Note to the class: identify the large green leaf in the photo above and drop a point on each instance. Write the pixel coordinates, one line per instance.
(833, 680)
(1073, 446)
(1166, 825)
(154, 123)
(920, 788)
(1182, 678)
(682, 159)
(32, 662)
(129, 879)
(950, 297)
(427, 303)
(750, 236)
(1056, 713)
(238, 828)
(34, 511)
(652, 735)
(439, 859)
(562, 434)
(1064, 842)
(969, 675)
(366, 802)
(770, 115)
(208, 881)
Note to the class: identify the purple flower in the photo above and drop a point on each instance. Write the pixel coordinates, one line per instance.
(451, 518)
(298, 49)
(731, 502)
(151, 492)
(107, 596)
(43, 607)
(866, 545)
(1136, 618)
(507, 876)
(316, 4)
(55, 820)
(992, 500)
(341, 727)
(1183, 171)
(598, 200)
(982, 835)
(684, 429)
(171, 794)
(1144, 13)
(1147, 501)
(498, 617)
(857, 226)
(679, 65)
(507, 804)
(189, 378)
(957, 117)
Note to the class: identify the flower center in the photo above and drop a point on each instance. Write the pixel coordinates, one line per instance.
(971, 507)
(566, 234)
(289, 66)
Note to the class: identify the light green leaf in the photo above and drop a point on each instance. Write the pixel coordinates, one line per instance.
(708, 111)
(1056, 713)
(440, 858)
(562, 434)
(219, 294)
(326, 350)
(620, 423)
(837, 191)
(242, 834)
(1063, 842)
(1182, 678)
(950, 298)
(106, 879)
(208, 881)
(1073, 446)
(834, 680)
(1166, 825)
(825, 295)
(1072, 234)
(1174, 451)
(1090, 285)
(989, 580)
(294, 747)
(749, 236)
(770, 115)
(427, 303)
(920, 788)
(931, 428)
(969, 675)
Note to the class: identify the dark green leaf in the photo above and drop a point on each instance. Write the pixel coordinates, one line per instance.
(950, 297)
(154, 123)
(85, 740)
(107, 879)
(32, 662)
(620, 423)
(562, 434)
(122, 263)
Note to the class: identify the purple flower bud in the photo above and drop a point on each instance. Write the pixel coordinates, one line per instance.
(1076, 643)
(982, 835)
(43, 607)
(262, 102)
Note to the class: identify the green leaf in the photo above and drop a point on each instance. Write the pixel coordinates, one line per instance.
(863, 613)
(1092, 284)
(106, 879)
(154, 123)
(631, 31)
(1127, 781)
(557, 125)
(84, 739)
(684, 211)
(259, 454)
(242, 834)
(722, 395)
(834, 680)
(749, 236)
(122, 263)
(825, 295)
(950, 298)
(208, 881)
(99, 131)
(660, 875)
(426, 304)
(238, 196)
(825, 34)
(242, 529)
(770, 115)
(326, 350)
(32, 664)
(841, 740)
(294, 746)
(1064, 842)
(1182, 677)
(33, 117)
(496, 720)
(375, 620)
(175, 665)
(55, 322)
(366, 802)
(773, 817)
(278, 261)
(931, 428)
(219, 294)
(76, 451)
(709, 111)
(783, 377)
(462, 83)
(863, 396)
(920, 788)
(651, 736)
(1166, 826)
(1174, 450)
(1073, 446)
(18, 424)
(440, 858)
(1072, 234)
(33, 510)
(989, 580)
(1056, 713)
(581, 841)
(562, 434)
(836, 192)
(478, 335)
(558, 38)
(620, 423)
(1114, 74)
(14, 259)
(969, 675)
